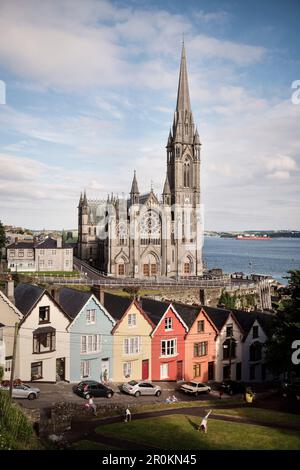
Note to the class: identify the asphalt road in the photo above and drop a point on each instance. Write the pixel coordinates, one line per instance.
(62, 392)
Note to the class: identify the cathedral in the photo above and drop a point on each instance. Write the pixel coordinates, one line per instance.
(145, 236)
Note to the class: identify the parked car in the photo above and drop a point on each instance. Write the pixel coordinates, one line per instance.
(232, 387)
(141, 388)
(23, 391)
(91, 388)
(194, 388)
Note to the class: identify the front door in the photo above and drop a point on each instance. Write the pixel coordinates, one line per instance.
(179, 370)
(145, 369)
(164, 371)
(105, 370)
(60, 369)
(226, 372)
(211, 371)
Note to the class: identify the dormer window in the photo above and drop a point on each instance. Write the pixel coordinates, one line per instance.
(44, 314)
(168, 323)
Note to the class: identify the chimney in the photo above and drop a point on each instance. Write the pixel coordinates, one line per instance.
(59, 242)
(55, 294)
(10, 290)
(99, 293)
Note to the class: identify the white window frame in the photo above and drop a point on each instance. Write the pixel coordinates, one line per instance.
(168, 346)
(90, 316)
(50, 263)
(127, 369)
(131, 320)
(8, 365)
(85, 369)
(131, 345)
(168, 323)
(90, 344)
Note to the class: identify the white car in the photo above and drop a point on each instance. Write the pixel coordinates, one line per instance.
(195, 388)
(23, 391)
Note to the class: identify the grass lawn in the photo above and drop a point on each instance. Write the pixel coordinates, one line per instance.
(51, 273)
(180, 432)
(258, 414)
(89, 445)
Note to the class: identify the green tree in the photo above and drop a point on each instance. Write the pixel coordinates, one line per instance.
(227, 300)
(285, 329)
(2, 238)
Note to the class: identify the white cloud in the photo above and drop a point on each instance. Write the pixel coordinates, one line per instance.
(279, 175)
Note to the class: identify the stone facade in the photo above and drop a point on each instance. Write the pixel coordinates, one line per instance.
(145, 236)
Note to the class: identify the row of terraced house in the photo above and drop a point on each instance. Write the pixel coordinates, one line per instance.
(71, 335)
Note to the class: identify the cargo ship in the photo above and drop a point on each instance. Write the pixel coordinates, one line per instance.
(253, 237)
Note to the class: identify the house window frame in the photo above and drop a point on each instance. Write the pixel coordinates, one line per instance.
(47, 308)
(37, 364)
(90, 344)
(37, 342)
(167, 346)
(127, 369)
(229, 330)
(202, 329)
(131, 320)
(131, 345)
(8, 364)
(85, 369)
(255, 332)
(201, 349)
(168, 323)
(197, 369)
(90, 316)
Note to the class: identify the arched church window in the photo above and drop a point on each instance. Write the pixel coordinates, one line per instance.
(187, 174)
(186, 128)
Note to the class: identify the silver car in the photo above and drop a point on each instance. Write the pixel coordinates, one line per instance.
(23, 391)
(141, 388)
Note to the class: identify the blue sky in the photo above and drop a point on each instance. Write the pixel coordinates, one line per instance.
(91, 90)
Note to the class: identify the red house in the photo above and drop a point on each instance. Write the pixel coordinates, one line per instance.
(167, 340)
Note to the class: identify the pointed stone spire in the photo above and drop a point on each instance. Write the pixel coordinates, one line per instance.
(196, 138)
(84, 201)
(183, 96)
(80, 199)
(134, 186)
(169, 139)
(134, 193)
(167, 189)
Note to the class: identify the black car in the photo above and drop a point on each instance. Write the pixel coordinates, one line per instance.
(231, 387)
(91, 388)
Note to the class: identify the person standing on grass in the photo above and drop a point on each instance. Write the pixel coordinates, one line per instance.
(127, 415)
(92, 406)
(203, 424)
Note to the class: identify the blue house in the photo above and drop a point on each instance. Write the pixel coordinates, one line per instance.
(91, 341)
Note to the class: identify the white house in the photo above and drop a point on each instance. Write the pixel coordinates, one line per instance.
(255, 326)
(229, 348)
(43, 347)
(9, 316)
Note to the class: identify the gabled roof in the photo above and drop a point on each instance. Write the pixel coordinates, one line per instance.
(218, 316)
(116, 305)
(156, 309)
(26, 296)
(246, 320)
(50, 243)
(73, 300)
(10, 304)
(188, 313)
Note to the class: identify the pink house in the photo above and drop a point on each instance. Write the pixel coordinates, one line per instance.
(200, 343)
(167, 340)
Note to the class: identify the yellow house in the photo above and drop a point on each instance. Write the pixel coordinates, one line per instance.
(131, 339)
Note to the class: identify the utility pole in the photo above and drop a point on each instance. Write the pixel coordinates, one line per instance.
(12, 372)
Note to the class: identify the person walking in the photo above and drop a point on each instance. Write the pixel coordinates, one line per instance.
(203, 424)
(92, 406)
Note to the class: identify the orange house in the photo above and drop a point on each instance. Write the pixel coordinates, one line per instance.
(200, 344)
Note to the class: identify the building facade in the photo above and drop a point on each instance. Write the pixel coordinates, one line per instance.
(91, 341)
(48, 255)
(146, 236)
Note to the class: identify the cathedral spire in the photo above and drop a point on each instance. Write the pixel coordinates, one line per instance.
(183, 95)
(134, 186)
(84, 201)
(166, 189)
(134, 193)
